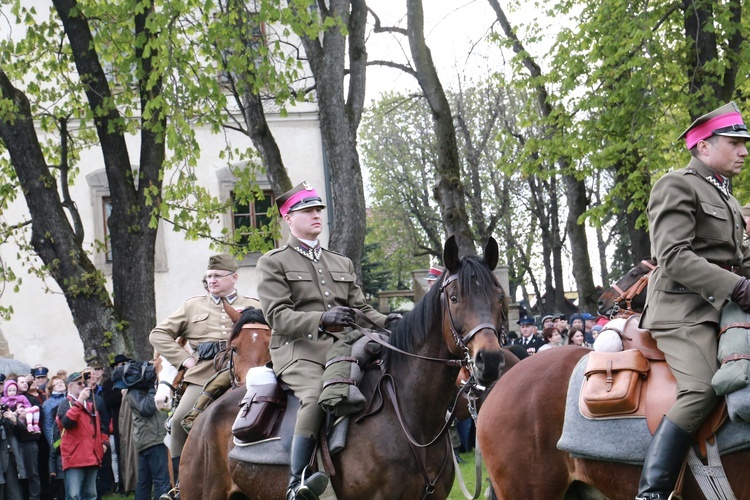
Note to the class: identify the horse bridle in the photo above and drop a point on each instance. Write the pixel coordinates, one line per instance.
(632, 291)
(461, 342)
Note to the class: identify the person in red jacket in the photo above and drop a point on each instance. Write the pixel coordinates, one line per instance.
(83, 441)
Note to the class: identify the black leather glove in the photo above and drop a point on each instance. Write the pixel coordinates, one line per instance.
(391, 320)
(741, 294)
(337, 316)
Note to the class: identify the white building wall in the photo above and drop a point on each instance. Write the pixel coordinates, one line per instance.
(41, 329)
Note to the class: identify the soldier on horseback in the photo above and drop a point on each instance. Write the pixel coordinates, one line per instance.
(697, 239)
(204, 323)
(306, 293)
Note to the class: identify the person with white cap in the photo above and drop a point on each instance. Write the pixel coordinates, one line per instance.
(697, 230)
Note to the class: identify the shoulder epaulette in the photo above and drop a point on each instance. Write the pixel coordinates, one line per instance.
(334, 252)
(196, 297)
(277, 250)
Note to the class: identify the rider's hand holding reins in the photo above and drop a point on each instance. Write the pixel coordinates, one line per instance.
(741, 294)
(391, 320)
(337, 316)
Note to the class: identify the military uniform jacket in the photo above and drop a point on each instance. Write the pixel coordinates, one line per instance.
(534, 341)
(199, 319)
(294, 292)
(696, 227)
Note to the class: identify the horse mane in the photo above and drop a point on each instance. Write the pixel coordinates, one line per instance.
(249, 315)
(474, 279)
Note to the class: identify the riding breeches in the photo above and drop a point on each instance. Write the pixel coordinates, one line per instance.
(305, 378)
(178, 434)
(691, 352)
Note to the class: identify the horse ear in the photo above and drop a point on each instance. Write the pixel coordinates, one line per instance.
(231, 311)
(491, 253)
(450, 254)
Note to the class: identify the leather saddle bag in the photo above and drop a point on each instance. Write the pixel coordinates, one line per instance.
(261, 410)
(612, 384)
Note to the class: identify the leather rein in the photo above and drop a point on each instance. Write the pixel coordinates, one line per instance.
(390, 384)
(631, 292)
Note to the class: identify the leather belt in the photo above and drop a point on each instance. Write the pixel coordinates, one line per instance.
(731, 269)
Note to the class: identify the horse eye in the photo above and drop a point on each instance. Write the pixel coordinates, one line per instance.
(502, 296)
(454, 298)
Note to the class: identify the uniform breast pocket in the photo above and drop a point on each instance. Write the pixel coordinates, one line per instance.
(714, 222)
(343, 281)
(301, 285)
(199, 324)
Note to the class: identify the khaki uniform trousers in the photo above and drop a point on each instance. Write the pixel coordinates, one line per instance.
(178, 434)
(305, 378)
(691, 352)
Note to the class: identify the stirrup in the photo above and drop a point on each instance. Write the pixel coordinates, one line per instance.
(310, 488)
(173, 494)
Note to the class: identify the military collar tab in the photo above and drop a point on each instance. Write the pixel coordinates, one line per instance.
(311, 253)
(230, 298)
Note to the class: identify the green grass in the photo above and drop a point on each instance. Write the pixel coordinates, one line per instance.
(469, 475)
(467, 470)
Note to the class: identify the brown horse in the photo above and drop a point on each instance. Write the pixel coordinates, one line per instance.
(400, 450)
(521, 422)
(628, 295)
(204, 469)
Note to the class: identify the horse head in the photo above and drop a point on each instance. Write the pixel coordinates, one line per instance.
(628, 295)
(474, 308)
(166, 373)
(250, 338)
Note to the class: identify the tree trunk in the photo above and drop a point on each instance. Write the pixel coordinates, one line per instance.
(339, 120)
(52, 237)
(449, 191)
(577, 204)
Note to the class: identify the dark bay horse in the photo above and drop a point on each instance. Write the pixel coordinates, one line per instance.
(204, 468)
(401, 451)
(521, 421)
(628, 295)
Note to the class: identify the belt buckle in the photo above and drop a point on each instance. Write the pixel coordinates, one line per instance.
(222, 344)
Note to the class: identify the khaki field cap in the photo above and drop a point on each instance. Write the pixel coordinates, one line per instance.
(299, 197)
(222, 262)
(726, 121)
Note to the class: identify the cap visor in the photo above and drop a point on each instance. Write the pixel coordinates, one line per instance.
(304, 205)
(735, 133)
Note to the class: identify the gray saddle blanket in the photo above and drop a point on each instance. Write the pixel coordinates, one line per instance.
(624, 439)
(275, 451)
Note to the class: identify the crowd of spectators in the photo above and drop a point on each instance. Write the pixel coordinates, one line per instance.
(60, 435)
(580, 330)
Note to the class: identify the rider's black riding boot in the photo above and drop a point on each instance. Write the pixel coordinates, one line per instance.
(664, 459)
(302, 485)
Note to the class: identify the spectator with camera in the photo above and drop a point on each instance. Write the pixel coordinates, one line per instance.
(139, 378)
(83, 423)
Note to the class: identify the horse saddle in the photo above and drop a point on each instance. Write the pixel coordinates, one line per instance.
(275, 448)
(646, 387)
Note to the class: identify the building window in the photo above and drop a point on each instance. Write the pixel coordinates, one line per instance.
(101, 208)
(253, 215)
(106, 212)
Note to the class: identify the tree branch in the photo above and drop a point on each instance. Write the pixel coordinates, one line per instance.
(390, 64)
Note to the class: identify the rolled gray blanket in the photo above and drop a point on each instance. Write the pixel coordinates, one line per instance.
(733, 375)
